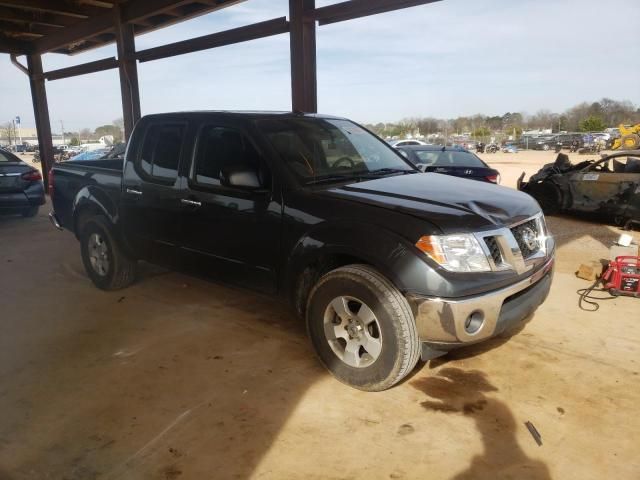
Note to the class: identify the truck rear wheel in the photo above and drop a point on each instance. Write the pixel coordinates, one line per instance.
(362, 328)
(105, 262)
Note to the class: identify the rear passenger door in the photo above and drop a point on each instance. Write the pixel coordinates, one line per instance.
(232, 232)
(150, 202)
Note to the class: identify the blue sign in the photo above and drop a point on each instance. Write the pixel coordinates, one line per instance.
(18, 120)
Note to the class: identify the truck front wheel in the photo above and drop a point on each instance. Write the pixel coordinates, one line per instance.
(105, 262)
(362, 328)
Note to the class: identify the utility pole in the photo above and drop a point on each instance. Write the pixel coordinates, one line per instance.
(62, 128)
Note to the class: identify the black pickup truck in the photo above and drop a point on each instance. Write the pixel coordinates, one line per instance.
(385, 263)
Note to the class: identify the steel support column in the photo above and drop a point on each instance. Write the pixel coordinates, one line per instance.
(41, 114)
(128, 73)
(304, 95)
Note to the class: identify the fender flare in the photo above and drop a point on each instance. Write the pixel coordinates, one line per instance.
(383, 249)
(94, 198)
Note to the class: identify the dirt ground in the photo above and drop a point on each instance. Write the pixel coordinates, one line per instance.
(178, 378)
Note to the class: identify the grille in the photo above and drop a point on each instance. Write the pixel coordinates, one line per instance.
(526, 234)
(492, 244)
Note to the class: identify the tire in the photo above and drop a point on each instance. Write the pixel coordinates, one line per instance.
(630, 142)
(30, 212)
(545, 147)
(377, 315)
(105, 262)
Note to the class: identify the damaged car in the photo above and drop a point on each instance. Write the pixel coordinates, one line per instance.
(608, 187)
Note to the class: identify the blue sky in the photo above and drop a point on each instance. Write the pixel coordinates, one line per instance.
(455, 57)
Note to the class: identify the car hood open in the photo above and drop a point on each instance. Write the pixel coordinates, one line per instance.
(455, 205)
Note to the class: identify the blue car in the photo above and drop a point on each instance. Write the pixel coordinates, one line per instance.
(90, 155)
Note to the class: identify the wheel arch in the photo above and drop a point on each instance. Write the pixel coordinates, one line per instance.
(90, 201)
(331, 247)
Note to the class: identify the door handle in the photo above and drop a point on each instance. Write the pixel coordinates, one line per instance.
(133, 191)
(192, 203)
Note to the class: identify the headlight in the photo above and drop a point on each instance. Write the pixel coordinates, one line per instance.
(456, 253)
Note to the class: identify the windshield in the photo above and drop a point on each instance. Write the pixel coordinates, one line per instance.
(316, 149)
(449, 158)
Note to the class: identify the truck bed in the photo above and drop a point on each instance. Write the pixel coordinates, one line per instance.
(89, 178)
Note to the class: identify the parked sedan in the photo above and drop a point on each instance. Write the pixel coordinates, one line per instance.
(406, 143)
(21, 189)
(450, 161)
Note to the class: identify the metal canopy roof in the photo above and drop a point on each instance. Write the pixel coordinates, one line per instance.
(73, 26)
(35, 27)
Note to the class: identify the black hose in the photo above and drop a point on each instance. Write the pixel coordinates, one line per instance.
(586, 297)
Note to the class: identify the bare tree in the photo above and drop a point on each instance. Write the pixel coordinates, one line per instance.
(6, 132)
(119, 122)
(84, 134)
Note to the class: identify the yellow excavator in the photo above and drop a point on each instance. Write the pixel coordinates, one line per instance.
(629, 138)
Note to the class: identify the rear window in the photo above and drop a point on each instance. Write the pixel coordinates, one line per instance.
(160, 156)
(7, 157)
(438, 158)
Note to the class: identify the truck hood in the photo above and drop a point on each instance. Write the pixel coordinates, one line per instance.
(455, 205)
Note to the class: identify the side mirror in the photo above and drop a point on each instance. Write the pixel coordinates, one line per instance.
(242, 177)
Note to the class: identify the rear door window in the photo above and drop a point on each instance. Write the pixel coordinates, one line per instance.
(160, 157)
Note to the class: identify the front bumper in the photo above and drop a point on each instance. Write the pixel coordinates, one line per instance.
(445, 324)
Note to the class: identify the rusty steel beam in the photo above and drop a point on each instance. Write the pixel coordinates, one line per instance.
(41, 113)
(132, 11)
(268, 28)
(128, 72)
(36, 18)
(82, 69)
(302, 39)
(339, 12)
(79, 31)
(53, 6)
(19, 27)
(11, 45)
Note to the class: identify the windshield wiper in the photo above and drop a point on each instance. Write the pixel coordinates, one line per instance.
(385, 171)
(332, 178)
(358, 176)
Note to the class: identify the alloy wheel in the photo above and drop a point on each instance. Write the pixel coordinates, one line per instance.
(98, 254)
(352, 331)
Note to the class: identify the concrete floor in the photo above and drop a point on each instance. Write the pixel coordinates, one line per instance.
(178, 378)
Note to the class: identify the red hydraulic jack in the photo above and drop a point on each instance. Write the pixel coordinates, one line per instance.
(622, 277)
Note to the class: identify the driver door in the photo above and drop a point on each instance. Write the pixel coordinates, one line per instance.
(607, 186)
(232, 232)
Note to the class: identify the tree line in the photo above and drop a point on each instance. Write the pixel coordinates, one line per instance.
(584, 117)
(9, 135)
